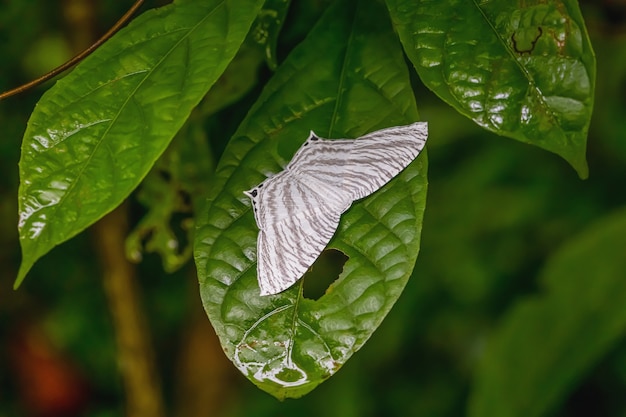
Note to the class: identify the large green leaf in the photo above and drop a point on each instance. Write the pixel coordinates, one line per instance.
(523, 69)
(546, 343)
(98, 131)
(346, 79)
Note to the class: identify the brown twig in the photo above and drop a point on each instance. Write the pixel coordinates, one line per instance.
(135, 354)
(78, 57)
(206, 381)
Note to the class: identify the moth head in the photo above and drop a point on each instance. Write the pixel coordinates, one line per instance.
(312, 138)
(253, 193)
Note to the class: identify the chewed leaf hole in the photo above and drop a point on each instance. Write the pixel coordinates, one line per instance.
(322, 273)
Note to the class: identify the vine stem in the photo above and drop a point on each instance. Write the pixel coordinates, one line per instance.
(134, 352)
(76, 58)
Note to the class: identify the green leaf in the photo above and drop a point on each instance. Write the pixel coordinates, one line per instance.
(287, 344)
(546, 343)
(98, 131)
(521, 69)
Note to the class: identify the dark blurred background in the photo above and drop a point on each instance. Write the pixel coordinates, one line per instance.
(496, 210)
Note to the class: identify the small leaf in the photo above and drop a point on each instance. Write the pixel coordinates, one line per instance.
(521, 69)
(170, 192)
(548, 342)
(98, 131)
(267, 27)
(287, 344)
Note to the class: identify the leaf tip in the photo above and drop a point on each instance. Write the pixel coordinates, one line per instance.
(25, 267)
(578, 161)
(583, 170)
(18, 281)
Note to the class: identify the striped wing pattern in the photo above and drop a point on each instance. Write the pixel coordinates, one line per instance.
(298, 210)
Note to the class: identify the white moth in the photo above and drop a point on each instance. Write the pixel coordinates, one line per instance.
(298, 210)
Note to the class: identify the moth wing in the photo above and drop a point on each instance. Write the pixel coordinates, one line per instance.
(298, 210)
(295, 226)
(351, 169)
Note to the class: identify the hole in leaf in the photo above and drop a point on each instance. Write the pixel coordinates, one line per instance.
(324, 271)
(180, 223)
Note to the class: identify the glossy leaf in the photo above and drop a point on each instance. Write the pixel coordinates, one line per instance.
(546, 343)
(287, 344)
(521, 69)
(98, 131)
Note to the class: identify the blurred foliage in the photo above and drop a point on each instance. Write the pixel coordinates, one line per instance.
(498, 212)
